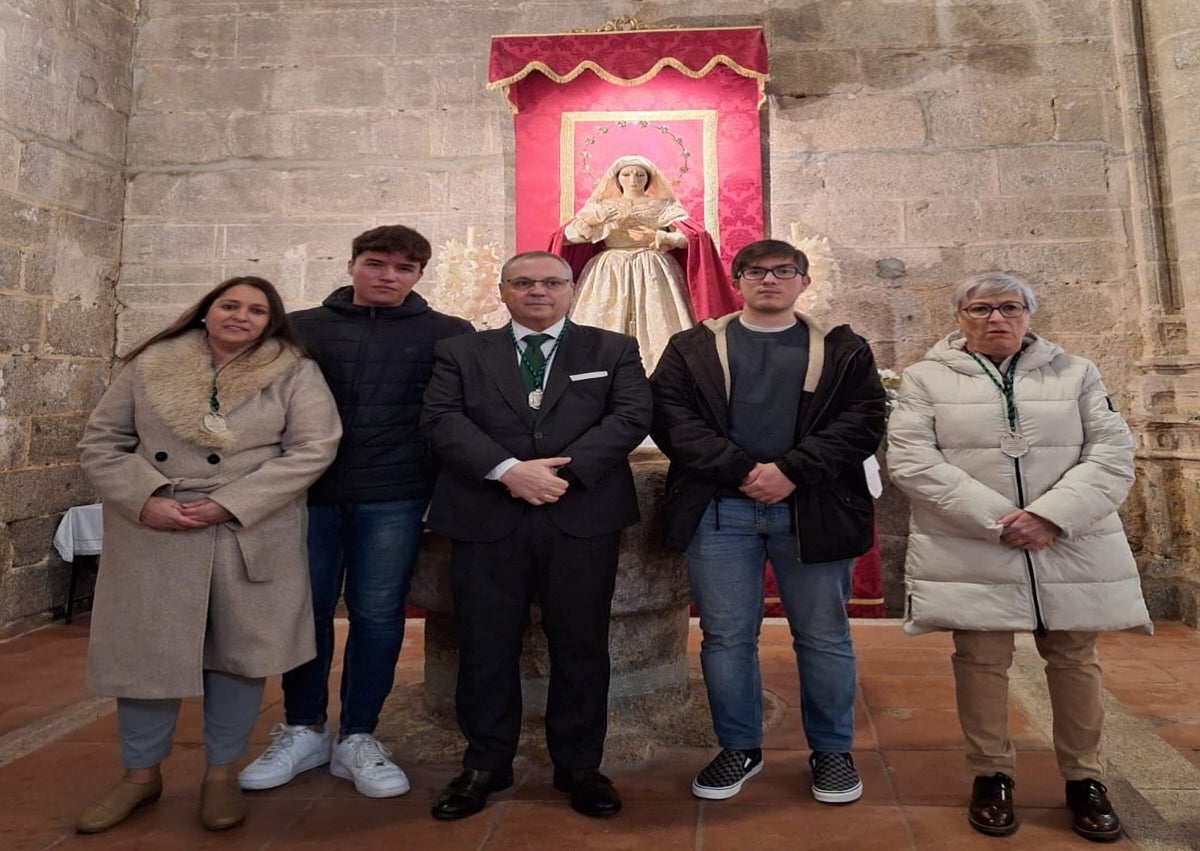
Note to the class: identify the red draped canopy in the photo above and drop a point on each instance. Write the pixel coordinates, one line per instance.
(628, 58)
(686, 98)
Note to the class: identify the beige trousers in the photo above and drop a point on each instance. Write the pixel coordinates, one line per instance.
(981, 662)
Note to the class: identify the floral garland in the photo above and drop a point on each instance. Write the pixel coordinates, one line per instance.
(684, 154)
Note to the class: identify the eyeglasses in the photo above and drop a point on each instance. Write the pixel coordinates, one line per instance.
(552, 284)
(1009, 310)
(757, 273)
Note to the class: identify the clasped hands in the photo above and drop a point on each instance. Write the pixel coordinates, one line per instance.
(1027, 531)
(170, 515)
(767, 484)
(536, 481)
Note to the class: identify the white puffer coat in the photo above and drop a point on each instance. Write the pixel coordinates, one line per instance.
(944, 454)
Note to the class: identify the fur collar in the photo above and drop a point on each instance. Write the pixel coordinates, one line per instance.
(177, 375)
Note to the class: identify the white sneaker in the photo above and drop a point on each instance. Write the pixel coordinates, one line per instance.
(293, 749)
(362, 758)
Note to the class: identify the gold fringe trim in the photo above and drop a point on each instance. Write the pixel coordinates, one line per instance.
(666, 62)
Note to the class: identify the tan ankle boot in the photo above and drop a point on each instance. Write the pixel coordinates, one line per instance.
(115, 805)
(221, 804)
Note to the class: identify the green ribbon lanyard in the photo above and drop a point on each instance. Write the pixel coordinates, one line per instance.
(1005, 388)
(537, 370)
(1013, 444)
(214, 420)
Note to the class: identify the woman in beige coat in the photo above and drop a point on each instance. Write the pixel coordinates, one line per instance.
(1015, 461)
(202, 451)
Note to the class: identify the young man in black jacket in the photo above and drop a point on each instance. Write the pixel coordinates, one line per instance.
(767, 416)
(374, 342)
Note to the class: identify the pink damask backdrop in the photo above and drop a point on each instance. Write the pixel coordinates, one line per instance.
(714, 120)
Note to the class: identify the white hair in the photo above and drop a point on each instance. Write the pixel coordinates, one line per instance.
(988, 284)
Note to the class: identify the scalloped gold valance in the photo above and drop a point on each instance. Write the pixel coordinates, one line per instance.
(628, 58)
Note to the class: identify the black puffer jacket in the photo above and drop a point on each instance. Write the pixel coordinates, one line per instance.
(377, 361)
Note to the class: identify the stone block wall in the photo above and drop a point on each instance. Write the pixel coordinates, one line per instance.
(264, 138)
(926, 139)
(65, 94)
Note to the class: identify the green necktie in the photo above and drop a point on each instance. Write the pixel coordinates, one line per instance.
(533, 361)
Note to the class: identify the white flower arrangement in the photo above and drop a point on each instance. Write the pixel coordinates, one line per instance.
(467, 281)
(890, 380)
(823, 269)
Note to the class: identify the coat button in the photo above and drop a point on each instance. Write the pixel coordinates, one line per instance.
(160, 456)
(214, 458)
(537, 435)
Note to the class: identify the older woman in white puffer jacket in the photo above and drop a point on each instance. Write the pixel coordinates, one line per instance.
(1015, 461)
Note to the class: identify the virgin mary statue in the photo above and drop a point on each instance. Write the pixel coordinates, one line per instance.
(629, 247)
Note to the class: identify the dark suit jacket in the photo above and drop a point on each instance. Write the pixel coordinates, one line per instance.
(596, 409)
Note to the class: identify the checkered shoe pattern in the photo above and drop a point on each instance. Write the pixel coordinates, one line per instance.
(724, 776)
(835, 780)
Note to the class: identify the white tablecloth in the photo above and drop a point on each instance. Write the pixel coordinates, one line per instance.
(80, 532)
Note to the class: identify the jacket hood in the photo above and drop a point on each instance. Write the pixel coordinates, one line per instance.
(1036, 352)
(341, 300)
(817, 331)
(718, 324)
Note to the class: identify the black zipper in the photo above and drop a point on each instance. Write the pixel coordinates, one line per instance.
(1037, 604)
(360, 366)
(837, 382)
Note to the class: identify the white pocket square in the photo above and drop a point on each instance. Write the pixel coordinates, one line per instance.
(584, 376)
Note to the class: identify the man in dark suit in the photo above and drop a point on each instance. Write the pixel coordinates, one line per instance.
(534, 423)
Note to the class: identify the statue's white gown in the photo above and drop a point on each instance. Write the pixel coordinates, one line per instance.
(634, 286)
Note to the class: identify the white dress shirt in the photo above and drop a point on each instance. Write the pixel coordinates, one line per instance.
(549, 349)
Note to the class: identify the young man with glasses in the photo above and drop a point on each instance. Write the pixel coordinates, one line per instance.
(374, 342)
(534, 422)
(767, 416)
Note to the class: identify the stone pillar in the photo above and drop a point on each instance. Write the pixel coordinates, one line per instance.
(1172, 30)
(650, 699)
(1169, 455)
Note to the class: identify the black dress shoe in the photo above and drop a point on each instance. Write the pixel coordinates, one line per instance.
(991, 810)
(467, 793)
(592, 794)
(1094, 815)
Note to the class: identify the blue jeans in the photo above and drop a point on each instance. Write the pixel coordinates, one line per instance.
(726, 564)
(371, 547)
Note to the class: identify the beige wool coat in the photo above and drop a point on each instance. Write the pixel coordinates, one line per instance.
(232, 597)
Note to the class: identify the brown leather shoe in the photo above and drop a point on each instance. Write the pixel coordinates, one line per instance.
(991, 810)
(1095, 818)
(115, 805)
(221, 804)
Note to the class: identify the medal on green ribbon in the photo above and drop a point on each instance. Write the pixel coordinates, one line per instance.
(1013, 443)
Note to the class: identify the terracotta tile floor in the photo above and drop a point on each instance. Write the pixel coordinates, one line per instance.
(907, 749)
